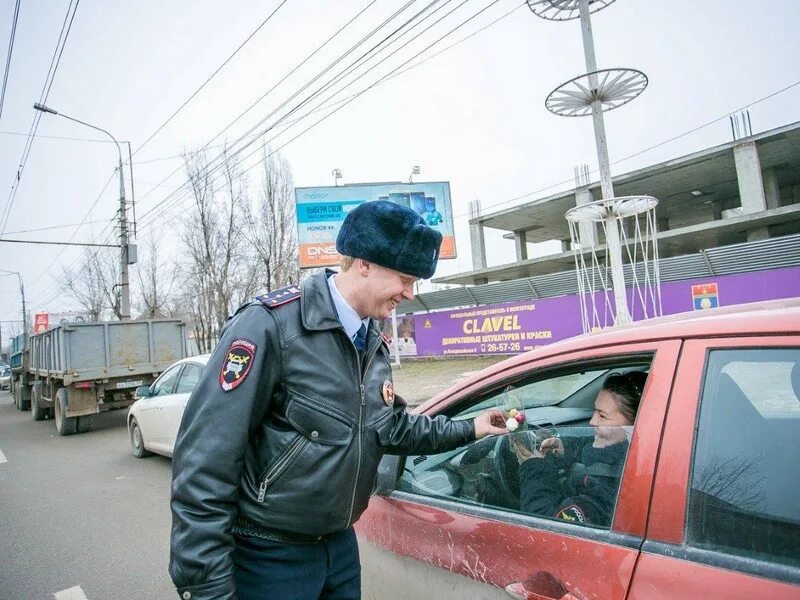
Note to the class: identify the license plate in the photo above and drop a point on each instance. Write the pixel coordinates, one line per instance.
(129, 384)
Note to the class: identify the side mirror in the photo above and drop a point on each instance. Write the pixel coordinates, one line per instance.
(143, 391)
(388, 470)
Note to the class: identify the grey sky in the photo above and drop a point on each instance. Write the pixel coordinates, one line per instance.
(474, 115)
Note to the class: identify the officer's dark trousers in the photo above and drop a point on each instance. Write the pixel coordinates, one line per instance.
(327, 570)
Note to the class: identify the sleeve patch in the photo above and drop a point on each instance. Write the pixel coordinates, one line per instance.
(280, 297)
(237, 364)
(571, 513)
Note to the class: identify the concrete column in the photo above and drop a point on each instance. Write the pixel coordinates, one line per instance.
(478, 244)
(748, 172)
(772, 192)
(521, 245)
(588, 231)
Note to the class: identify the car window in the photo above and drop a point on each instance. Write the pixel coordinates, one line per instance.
(745, 492)
(189, 378)
(553, 466)
(165, 384)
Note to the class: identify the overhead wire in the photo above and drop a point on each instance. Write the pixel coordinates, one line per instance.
(210, 77)
(384, 77)
(66, 27)
(11, 39)
(343, 73)
(324, 70)
(359, 13)
(645, 150)
(369, 87)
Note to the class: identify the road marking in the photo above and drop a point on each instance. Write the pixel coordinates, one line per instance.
(2, 457)
(73, 593)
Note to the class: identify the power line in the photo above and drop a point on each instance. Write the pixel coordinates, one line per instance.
(325, 70)
(341, 74)
(66, 27)
(57, 137)
(210, 77)
(644, 150)
(261, 148)
(207, 145)
(8, 57)
(38, 229)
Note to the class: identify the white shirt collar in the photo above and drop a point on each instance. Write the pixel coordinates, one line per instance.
(347, 316)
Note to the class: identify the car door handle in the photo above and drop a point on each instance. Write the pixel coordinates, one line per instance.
(539, 586)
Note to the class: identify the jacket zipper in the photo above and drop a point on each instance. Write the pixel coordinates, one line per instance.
(360, 419)
(293, 449)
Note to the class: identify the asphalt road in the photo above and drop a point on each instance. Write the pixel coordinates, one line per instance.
(80, 517)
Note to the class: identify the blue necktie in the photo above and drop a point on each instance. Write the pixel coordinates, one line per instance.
(360, 341)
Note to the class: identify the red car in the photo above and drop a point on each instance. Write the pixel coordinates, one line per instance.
(704, 501)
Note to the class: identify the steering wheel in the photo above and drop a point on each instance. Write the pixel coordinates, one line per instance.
(506, 468)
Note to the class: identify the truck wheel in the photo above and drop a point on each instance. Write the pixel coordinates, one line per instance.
(137, 441)
(39, 413)
(64, 424)
(85, 423)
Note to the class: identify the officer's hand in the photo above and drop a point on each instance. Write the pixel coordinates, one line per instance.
(490, 422)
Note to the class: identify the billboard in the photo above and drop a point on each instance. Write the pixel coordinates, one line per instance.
(40, 322)
(321, 210)
(514, 327)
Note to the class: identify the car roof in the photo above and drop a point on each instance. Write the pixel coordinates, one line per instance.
(781, 317)
(199, 358)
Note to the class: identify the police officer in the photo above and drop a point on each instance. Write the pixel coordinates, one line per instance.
(280, 442)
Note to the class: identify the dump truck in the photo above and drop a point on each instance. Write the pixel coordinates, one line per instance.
(73, 371)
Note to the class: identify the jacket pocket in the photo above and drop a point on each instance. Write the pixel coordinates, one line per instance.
(281, 464)
(316, 423)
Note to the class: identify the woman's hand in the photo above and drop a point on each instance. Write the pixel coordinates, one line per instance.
(553, 446)
(523, 452)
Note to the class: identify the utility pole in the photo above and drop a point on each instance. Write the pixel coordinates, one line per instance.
(127, 251)
(24, 311)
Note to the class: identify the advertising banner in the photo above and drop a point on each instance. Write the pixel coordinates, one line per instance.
(321, 210)
(515, 327)
(40, 322)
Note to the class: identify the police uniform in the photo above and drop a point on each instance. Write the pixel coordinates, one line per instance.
(280, 442)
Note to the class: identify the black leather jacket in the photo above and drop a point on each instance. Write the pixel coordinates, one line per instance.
(296, 445)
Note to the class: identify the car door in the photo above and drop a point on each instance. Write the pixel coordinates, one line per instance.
(173, 405)
(459, 542)
(725, 516)
(151, 413)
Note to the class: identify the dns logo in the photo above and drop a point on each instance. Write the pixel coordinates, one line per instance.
(327, 250)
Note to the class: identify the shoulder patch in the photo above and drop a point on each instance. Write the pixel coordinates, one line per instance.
(571, 513)
(237, 364)
(280, 297)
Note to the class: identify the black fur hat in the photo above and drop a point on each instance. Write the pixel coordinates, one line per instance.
(391, 236)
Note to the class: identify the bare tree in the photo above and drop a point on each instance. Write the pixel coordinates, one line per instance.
(93, 283)
(156, 281)
(737, 480)
(218, 269)
(273, 226)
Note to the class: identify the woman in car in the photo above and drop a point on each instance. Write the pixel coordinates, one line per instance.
(577, 480)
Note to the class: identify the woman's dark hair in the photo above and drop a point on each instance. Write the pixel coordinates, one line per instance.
(627, 390)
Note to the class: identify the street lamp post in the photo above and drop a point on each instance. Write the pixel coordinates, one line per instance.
(125, 293)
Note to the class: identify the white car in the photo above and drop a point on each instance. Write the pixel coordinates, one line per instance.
(153, 420)
(5, 377)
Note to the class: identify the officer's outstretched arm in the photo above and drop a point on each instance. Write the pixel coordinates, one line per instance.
(230, 399)
(421, 434)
